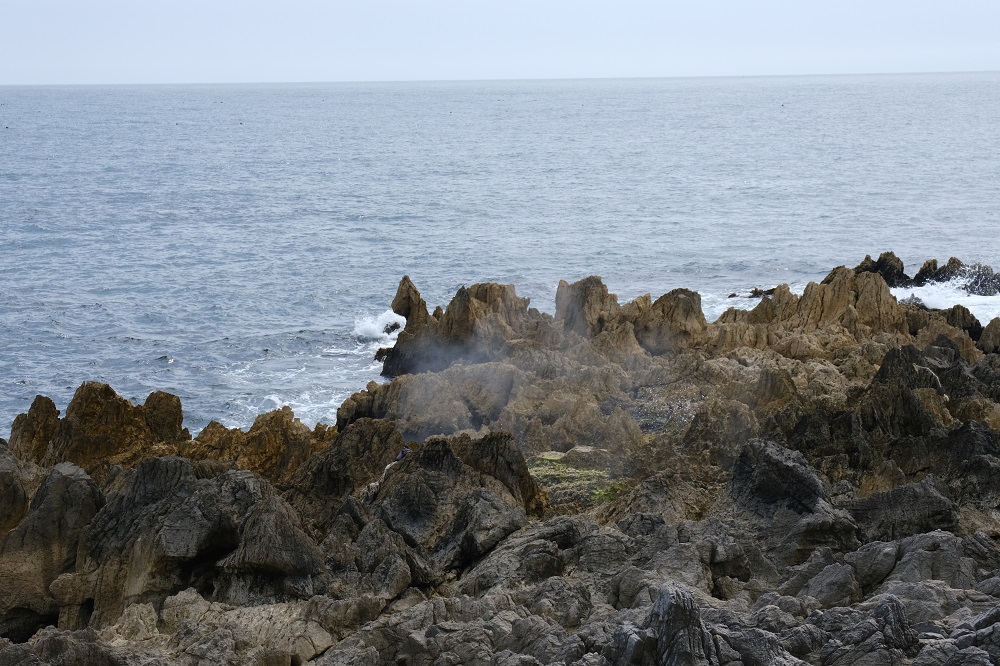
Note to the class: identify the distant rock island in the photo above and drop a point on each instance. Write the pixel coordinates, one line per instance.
(813, 481)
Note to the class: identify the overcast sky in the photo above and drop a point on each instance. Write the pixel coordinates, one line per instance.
(193, 41)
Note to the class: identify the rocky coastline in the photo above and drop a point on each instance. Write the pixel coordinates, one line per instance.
(813, 481)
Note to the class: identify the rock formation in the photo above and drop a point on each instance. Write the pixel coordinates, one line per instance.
(813, 481)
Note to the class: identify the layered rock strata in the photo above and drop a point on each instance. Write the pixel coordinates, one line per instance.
(816, 480)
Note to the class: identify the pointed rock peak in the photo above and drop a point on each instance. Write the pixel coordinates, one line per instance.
(585, 306)
(408, 302)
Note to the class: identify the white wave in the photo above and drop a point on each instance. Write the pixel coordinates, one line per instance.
(943, 295)
(370, 328)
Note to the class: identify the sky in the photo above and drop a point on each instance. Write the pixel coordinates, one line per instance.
(216, 41)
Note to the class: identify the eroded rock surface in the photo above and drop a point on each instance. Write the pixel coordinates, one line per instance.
(813, 481)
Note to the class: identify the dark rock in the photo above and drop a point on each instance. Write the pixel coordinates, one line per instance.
(357, 457)
(172, 524)
(13, 498)
(884, 637)
(681, 637)
(911, 509)
(42, 547)
(889, 266)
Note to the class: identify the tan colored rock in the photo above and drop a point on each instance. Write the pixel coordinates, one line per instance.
(275, 446)
(674, 322)
(477, 324)
(31, 433)
(989, 342)
(585, 306)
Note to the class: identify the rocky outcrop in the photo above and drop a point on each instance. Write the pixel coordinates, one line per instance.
(814, 481)
(274, 447)
(42, 547)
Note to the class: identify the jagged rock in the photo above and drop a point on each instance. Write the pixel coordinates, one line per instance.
(274, 447)
(778, 486)
(13, 498)
(31, 433)
(675, 321)
(910, 509)
(358, 457)
(477, 324)
(884, 637)
(978, 279)
(731, 468)
(584, 307)
(77, 648)
(452, 512)
(889, 266)
(171, 524)
(960, 317)
(931, 272)
(43, 546)
(989, 341)
(101, 429)
(681, 637)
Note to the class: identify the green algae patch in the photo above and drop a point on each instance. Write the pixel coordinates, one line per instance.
(572, 489)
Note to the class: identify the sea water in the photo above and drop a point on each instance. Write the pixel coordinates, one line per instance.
(239, 245)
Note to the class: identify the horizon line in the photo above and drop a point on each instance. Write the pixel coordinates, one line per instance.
(499, 80)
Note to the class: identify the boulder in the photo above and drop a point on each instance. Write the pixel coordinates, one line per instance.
(883, 637)
(681, 637)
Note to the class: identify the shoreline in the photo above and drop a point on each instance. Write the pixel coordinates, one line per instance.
(607, 482)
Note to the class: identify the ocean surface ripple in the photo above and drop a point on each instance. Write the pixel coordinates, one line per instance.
(238, 245)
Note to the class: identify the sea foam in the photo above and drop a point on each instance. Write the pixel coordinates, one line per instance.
(943, 295)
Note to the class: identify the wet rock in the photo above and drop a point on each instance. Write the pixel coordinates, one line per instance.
(889, 266)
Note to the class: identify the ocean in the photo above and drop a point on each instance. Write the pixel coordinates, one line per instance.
(239, 245)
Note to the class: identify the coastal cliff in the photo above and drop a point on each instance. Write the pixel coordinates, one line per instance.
(815, 480)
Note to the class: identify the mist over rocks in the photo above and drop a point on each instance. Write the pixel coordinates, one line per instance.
(815, 480)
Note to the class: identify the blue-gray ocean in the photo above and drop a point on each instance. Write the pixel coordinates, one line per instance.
(239, 245)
